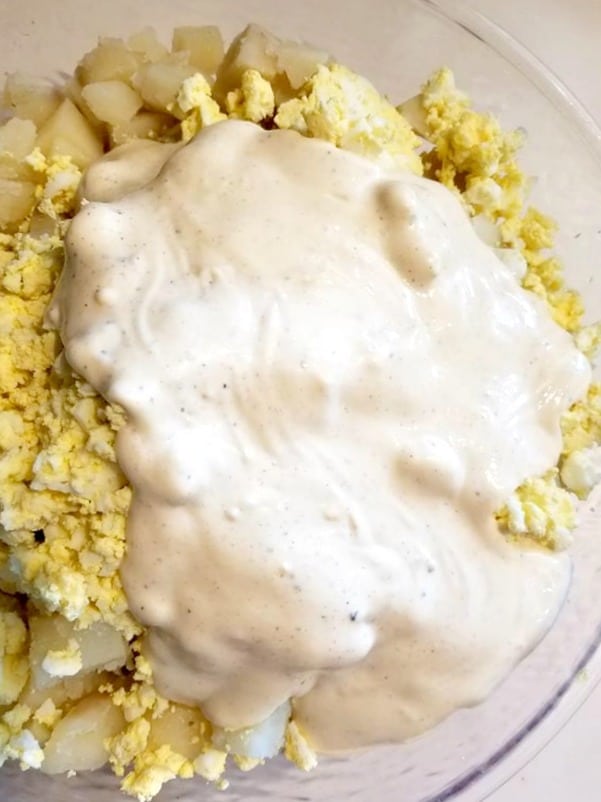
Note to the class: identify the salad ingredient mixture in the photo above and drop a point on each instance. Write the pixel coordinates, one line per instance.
(95, 667)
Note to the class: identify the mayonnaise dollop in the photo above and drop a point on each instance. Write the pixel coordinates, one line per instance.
(331, 384)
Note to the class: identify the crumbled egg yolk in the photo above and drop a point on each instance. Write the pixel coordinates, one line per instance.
(152, 769)
(581, 424)
(253, 101)
(473, 157)
(542, 510)
(343, 108)
(64, 500)
(297, 749)
(195, 100)
(17, 742)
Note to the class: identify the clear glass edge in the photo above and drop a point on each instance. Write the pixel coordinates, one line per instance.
(531, 67)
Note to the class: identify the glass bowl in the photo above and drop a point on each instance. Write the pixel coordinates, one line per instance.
(396, 43)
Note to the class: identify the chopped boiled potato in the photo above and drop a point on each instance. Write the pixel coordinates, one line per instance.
(203, 43)
(147, 45)
(144, 125)
(112, 101)
(286, 65)
(256, 743)
(17, 140)
(74, 91)
(253, 49)
(182, 728)
(413, 111)
(17, 199)
(100, 648)
(299, 62)
(29, 98)
(41, 225)
(14, 666)
(16, 169)
(111, 60)
(68, 133)
(65, 692)
(159, 84)
(17, 137)
(77, 742)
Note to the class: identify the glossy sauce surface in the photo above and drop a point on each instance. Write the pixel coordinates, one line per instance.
(331, 384)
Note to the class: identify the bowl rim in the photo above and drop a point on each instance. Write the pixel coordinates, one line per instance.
(534, 70)
(479, 782)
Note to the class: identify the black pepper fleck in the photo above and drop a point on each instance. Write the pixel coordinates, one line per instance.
(39, 536)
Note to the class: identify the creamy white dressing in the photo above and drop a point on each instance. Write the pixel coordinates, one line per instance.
(331, 384)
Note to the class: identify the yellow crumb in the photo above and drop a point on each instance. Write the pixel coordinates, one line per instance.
(588, 339)
(200, 109)
(541, 510)
(581, 424)
(297, 748)
(253, 101)
(152, 770)
(471, 153)
(343, 108)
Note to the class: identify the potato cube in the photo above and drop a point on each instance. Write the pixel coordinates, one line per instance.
(30, 98)
(41, 225)
(254, 48)
(74, 90)
(17, 137)
(110, 61)
(299, 62)
(181, 727)
(15, 169)
(159, 83)
(204, 45)
(147, 45)
(67, 132)
(101, 647)
(17, 199)
(413, 111)
(77, 741)
(145, 125)
(112, 101)
(67, 690)
(262, 741)
(17, 140)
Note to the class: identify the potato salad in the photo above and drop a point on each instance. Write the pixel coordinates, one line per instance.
(221, 503)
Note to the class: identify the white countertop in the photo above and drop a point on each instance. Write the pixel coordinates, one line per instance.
(564, 34)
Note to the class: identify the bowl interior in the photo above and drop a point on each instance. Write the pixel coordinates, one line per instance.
(396, 43)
